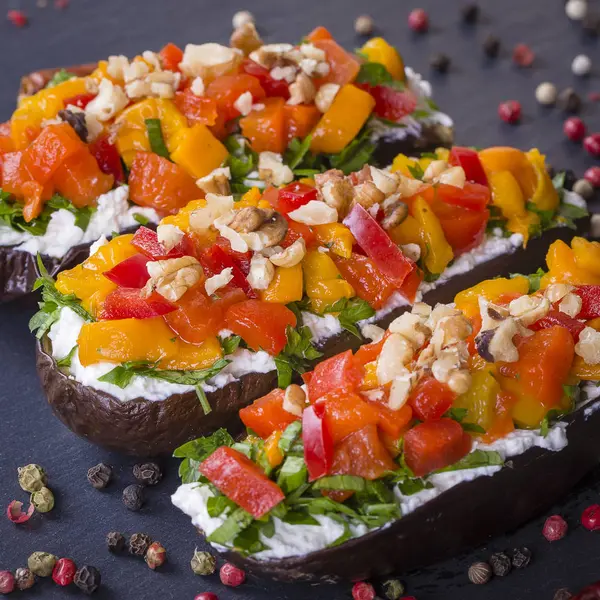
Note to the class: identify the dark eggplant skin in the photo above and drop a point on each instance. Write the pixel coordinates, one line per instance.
(461, 518)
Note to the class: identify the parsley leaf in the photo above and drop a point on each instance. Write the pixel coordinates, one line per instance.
(230, 344)
(351, 311)
(295, 356)
(60, 77)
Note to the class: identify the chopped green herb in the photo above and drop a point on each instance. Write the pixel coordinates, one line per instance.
(355, 155)
(416, 171)
(235, 523)
(66, 360)
(534, 279)
(289, 436)
(340, 482)
(296, 152)
(293, 474)
(351, 311)
(141, 219)
(60, 77)
(296, 354)
(156, 139)
(374, 73)
(230, 344)
(217, 505)
(477, 458)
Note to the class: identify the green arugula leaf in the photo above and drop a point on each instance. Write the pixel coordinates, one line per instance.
(296, 151)
(458, 414)
(340, 482)
(200, 449)
(409, 487)
(570, 211)
(351, 311)
(66, 360)
(432, 105)
(296, 354)
(473, 428)
(546, 216)
(248, 542)
(420, 114)
(230, 344)
(355, 155)
(571, 393)
(60, 77)
(156, 139)
(294, 517)
(217, 505)
(477, 458)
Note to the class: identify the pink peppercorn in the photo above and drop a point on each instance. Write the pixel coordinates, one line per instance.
(592, 144)
(555, 528)
(418, 20)
(363, 591)
(232, 576)
(17, 17)
(7, 582)
(574, 129)
(206, 596)
(523, 55)
(64, 572)
(510, 111)
(593, 176)
(590, 518)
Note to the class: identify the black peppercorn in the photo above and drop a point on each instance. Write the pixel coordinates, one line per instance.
(562, 594)
(521, 558)
(569, 180)
(480, 573)
(491, 46)
(133, 497)
(115, 541)
(100, 476)
(591, 24)
(87, 579)
(440, 62)
(147, 473)
(77, 121)
(569, 101)
(469, 13)
(500, 564)
(139, 544)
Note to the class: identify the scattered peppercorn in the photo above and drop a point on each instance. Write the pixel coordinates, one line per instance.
(64, 572)
(591, 24)
(521, 558)
(584, 188)
(133, 497)
(500, 564)
(562, 594)
(569, 101)
(592, 175)
(576, 9)
(480, 573)
(510, 111)
(77, 121)
(43, 500)
(440, 62)
(32, 478)
(147, 473)
(574, 129)
(523, 55)
(139, 544)
(590, 518)
(232, 576)
(7, 582)
(241, 18)
(581, 65)
(100, 476)
(41, 563)
(115, 541)
(362, 590)
(156, 555)
(418, 20)
(206, 596)
(491, 46)
(364, 25)
(555, 528)
(393, 589)
(592, 144)
(546, 93)
(203, 563)
(569, 179)
(87, 579)
(469, 13)
(24, 578)
(17, 17)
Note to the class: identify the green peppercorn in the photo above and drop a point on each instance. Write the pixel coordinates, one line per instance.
(24, 578)
(32, 478)
(41, 563)
(393, 589)
(203, 563)
(43, 500)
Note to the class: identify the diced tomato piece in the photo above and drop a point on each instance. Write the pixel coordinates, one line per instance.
(226, 89)
(560, 319)
(266, 128)
(241, 259)
(430, 399)
(295, 195)
(33, 195)
(242, 481)
(298, 230)
(266, 415)
(346, 412)
(128, 303)
(369, 352)
(464, 229)
(319, 33)
(410, 285)
(300, 120)
(590, 301)
(378, 246)
(362, 454)
(196, 109)
(130, 273)
(146, 241)
(344, 66)
(472, 196)
(170, 57)
(272, 87)
(13, 177)
(107, 156)
(158, 183)
(434, 445)
(215, 259)
(368, 281)
(390, 103)
(80, 100)
(468, 159)
(392, 422)
(340, 373)
(262, 325)
(318, 445)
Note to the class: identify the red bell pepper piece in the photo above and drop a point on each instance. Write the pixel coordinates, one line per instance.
(318, 445)
(378, 246)
(215, 259)
(468, 159)
(266, 415)
(108, 158)
(347, 412)
(130, 273)
(472, 196)
(128, 303)
(430, 399)
(590, 301)
(560, 319)
(336, 374)
(272, 87)
(146, 241)
(80, 100)
(434, 445)
(238, 478)
(464, 229)
(241, 259)
(298, 230)
(196, 109)
(294, 196)
(170, 57)
(390, 103)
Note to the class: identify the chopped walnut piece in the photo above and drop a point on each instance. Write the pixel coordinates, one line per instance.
(434, 169)
(529, 309)
(272, 170)
(557, 291)
(302, 91)
(290, 256)
(271, 55)
(261, 272)
(570, 305)
(402, 386)
(169, 236)
(367, 194)
(246, 38)
(294, 399)
(588, 346)
(335, 189)
(173, 277)
(384, 180)
(396, 352)
(209, 60)
(216, 282)
(216, 182)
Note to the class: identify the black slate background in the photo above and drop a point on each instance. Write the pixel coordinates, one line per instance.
(89, 30)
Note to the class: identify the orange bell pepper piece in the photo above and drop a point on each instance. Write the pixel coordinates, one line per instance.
(300, 120)
(198, 151)
(191, 357)
(346, 412)
(196, 109)
(266, 415)
(266, 128)
(226, 89)
(504, 158)
(319, 33)
(344, 66)
(272, 451)
(170, 57)
(33, 193)
(563, 267)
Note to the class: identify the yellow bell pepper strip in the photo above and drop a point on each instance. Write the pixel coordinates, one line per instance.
(336, 237)
(563, 267)
(507, 194)
(377, 50)
(587, 255)
(286, 285)
(182, 218)
(403, 164)
(341, 123)
(438, 252)
(545, 197)
(527, 226)
(504, 158)
(190, 357)
(323, 283)
(198, 151)
(442, 154)
(271, 449)
(480, 399)
(407, 232)
(250, 199)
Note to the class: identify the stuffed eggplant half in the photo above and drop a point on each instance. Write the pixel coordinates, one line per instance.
(160, 337)
(376, 463)
(163, 122)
